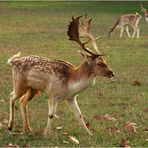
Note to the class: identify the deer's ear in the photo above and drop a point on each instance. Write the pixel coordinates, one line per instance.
(85, 55)
(88, 57)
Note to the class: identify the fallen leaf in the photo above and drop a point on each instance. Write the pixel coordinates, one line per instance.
(65, 142)
(65, 133)
(2, 125)
(97, 117)
(25, 146)
(2, 101)
(145, 110)
(125, 143)
(109, 118)
(59, 127)
(113, 129)
(147, 139)
(16, 133)
(131, 126)
(136, 83)
(11, 145)
(100, 94)
(5, 121)
(73, 140)
(106, 117)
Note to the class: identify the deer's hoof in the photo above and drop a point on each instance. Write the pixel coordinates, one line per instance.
(10, 128)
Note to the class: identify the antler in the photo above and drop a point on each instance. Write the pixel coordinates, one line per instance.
(85, 32)
(75, 31)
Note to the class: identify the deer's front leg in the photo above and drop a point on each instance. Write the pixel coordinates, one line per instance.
(24, 102)
(75, 108)
(121, 31)
(52, 105)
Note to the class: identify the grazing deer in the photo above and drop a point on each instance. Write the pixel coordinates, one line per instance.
(59, 79)
(145, 12)
(125, 21)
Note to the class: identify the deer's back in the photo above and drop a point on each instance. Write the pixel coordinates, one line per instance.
(129, 18)
(39, 72)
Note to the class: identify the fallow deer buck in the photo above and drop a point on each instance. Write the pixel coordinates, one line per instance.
(145, 12)
(59, 79)
(125, 21)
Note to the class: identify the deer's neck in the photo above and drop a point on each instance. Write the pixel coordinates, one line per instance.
(115, 25)
(81, 78)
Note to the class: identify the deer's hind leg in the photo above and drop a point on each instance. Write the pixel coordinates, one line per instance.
(15, 94)
(127, 31)
(24, 102)
(121, 31)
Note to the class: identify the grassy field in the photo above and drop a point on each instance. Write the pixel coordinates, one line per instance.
(40, 28)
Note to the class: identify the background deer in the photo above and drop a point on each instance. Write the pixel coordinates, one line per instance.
(145, 12)
(59, 79)
(125, 21)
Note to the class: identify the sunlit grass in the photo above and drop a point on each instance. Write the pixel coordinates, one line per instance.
(40, 28)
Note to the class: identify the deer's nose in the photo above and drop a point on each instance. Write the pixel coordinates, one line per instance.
(111, 74)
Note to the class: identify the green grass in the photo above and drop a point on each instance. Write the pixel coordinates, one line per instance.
(40, 28)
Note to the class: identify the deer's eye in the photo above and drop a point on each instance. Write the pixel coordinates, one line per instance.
(101, 64)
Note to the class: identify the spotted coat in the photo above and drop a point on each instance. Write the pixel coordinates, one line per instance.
(40, 64)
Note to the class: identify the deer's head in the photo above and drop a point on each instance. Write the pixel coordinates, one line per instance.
(95, 60)
(109, 32)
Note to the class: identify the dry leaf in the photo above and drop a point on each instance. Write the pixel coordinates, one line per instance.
(5, 121)
(147, 139)
(131, 126)
(145, 110)
(11, 145)
(73, 140)
(59, 127)
(2, 125)
(97, 117)
(25, 146)
(65, 142)
(65, 133)
(15, 133)
(136, 83)
(109, 118)
(125, 143)
(113, 129)
(2, 101)
(106, 117)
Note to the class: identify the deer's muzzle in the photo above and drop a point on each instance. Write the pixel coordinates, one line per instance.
(111, 74)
